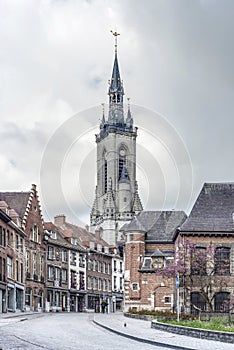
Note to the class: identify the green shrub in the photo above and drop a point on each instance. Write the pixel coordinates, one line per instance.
(161, 314)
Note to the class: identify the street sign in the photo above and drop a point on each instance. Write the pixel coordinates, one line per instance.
(177, 282)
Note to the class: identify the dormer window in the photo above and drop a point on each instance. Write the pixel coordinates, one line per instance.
(53, 235)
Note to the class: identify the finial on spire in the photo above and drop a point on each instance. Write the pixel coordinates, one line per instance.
(128, 102)
(115, 35)
(103, 113)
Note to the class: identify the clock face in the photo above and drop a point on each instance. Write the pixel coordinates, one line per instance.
(122, 152)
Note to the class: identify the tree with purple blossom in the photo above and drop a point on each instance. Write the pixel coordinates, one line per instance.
(204, 271)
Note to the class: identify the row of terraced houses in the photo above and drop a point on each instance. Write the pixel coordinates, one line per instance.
(58, 266)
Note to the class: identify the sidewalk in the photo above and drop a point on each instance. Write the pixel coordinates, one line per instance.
(141, 331)
(18, 314)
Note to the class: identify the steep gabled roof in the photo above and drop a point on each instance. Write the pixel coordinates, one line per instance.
(60, 237)
(21, 202)
(165, 226)
(83, 236)
(142, 221)
(213, 209)
(157, 225)
(16, 200)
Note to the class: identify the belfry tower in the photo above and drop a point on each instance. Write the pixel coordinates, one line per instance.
(116, 198)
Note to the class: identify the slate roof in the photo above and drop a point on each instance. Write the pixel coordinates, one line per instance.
(116, 84)
(158, 225)
(83, 236)
(60, 240)
(16, 200)
(213, 209)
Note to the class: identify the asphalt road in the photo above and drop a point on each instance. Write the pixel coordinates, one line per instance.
(62, 331)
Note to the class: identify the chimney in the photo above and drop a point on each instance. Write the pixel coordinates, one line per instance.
(59, 220)
(4, 206)
(98, 234)
(14, 216)
(87, 227)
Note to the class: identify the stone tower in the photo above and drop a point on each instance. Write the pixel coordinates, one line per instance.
(116, 198)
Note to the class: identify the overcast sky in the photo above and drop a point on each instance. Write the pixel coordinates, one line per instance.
(176, 59)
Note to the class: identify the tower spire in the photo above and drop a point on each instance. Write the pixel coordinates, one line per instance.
(116, 91)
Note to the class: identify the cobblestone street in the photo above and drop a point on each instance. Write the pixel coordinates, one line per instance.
(60, 331)
(78, 331)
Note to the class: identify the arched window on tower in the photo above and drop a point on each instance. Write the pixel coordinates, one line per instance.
(105, 175)
(122, 160)
(104, 171)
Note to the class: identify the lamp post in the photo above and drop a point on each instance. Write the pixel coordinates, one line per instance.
(178, 297)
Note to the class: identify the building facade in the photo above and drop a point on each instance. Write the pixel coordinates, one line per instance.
(199, 250)
(210, 228)
(148, 246)
(12, 261)
(116, 197)
(90, 267)
(27, 206)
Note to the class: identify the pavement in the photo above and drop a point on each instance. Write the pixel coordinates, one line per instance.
(140, 330)
(135, 329)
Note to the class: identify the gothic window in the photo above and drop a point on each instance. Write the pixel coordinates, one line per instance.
(198, 261)
(221, 302)
(222, 261)
(197, 303)
(122, 160)
(105, 176)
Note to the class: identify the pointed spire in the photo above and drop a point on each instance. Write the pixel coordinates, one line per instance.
(116, 83)
(103, 116)
(124, 175)
(129, 120)
(116, 92)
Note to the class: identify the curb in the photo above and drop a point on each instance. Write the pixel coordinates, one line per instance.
(23, 314)
(142, 340)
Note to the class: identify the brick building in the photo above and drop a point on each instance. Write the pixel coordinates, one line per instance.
(96, 263)
(12, 261)
(57, 262)
(27, 205)
(149, 244)
(210, 224)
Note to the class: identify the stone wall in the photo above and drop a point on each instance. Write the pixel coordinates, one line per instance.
(226, 337)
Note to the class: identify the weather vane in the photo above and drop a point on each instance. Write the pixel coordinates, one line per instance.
(115, 35)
